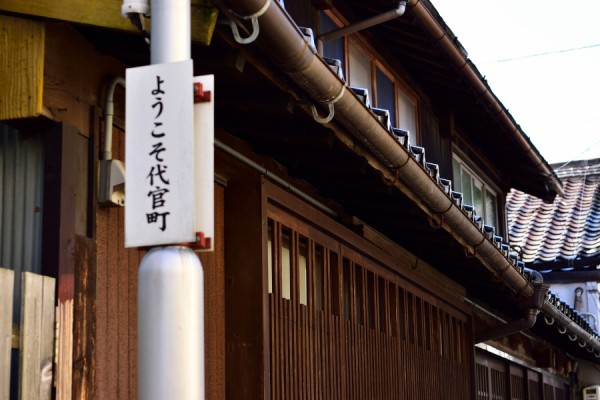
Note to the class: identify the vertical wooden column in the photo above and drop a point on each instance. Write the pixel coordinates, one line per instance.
(213, 264)
(246, 291)
(65, 217)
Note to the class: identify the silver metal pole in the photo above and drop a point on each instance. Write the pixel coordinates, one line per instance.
(171, 39)
(170, 325)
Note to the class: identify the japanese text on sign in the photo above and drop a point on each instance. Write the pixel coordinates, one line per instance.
(159, 155)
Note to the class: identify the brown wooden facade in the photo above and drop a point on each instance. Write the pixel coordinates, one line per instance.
(299, 303)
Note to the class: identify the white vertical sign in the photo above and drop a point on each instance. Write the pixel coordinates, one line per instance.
(204, 126)
(159, 155)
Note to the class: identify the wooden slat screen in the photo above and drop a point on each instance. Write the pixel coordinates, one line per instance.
(517, 383)
(533, 386)
(342, 327)
(559, 394)
(499, 379)
(483, 385)
(548, 391)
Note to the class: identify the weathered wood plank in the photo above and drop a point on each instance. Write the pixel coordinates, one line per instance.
(47, 339)
(21, 67)
(84, 325)
(7, 278)
(37, 337)
(64, 350)
(107, 14)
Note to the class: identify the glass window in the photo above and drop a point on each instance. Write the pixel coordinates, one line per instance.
(286, 264)
(407, 112)
(475, 192)
(478, 195)
(270, 257)
(332, 48)
(491, 208)
(466, 184)
(360, 69)
(385, 94)
(302, 271)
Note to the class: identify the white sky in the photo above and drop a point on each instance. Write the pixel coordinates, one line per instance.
(555, 98)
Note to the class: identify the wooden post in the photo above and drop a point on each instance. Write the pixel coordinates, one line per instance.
(37, 337)
(7, 278)
(245, 293)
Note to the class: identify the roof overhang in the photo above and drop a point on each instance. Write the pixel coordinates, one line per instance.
(421, 44)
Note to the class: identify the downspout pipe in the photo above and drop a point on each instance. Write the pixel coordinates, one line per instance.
(111, 190)
(531, 307)
(281, 40)
(509, 328)
(479, 86)
(367, 23)
(109, 112)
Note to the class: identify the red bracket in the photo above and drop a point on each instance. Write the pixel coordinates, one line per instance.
(200, 96)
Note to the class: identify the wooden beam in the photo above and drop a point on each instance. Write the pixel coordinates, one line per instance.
(107, 14)
(572, 276)
(21, 67)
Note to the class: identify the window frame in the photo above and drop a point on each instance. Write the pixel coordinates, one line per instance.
(487, 187)
(377, 62)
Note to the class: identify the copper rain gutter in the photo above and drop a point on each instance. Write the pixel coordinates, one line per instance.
(282, 42)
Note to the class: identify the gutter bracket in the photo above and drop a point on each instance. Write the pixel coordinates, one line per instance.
(320, 119)
(329, 105)
(254, 21)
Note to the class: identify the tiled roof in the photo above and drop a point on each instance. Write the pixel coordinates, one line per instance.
(567, 229)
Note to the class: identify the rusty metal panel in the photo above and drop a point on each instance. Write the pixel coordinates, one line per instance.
(21, 188)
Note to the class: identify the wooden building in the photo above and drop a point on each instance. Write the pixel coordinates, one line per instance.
(560, 239)
(360, 187)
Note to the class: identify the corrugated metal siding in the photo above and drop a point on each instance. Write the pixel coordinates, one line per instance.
(21, 189)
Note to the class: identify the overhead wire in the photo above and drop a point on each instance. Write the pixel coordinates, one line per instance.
(542, 54)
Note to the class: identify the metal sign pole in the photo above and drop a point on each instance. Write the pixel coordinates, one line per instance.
(170, 277)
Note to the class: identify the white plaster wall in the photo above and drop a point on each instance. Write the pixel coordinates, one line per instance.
(591, 302)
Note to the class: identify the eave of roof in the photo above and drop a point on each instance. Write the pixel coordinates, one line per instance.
(424, 46)
(403, 167)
